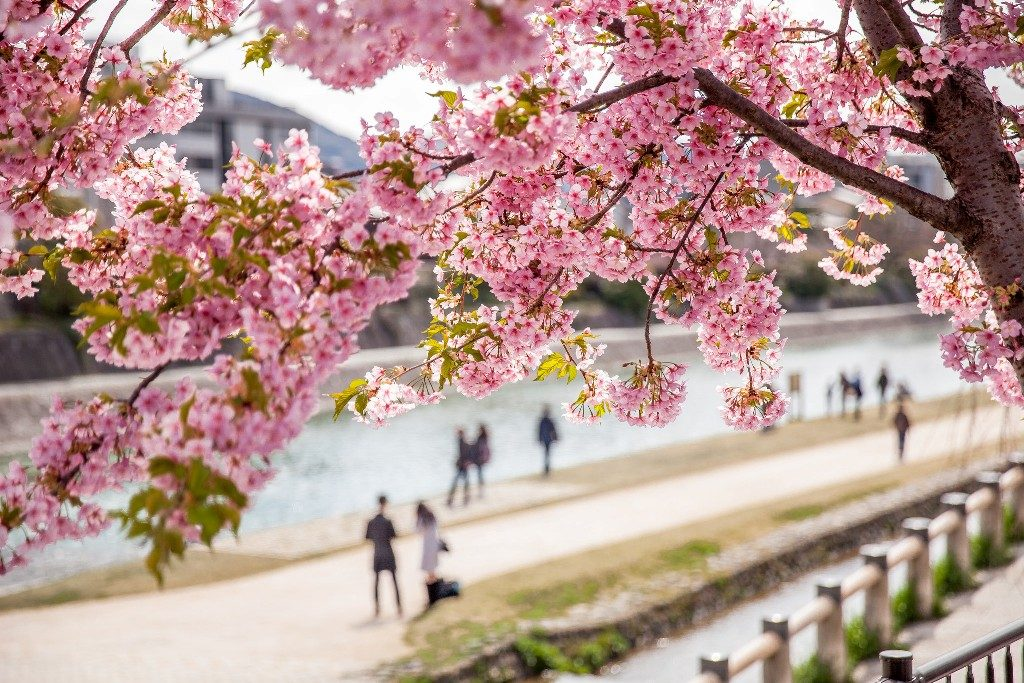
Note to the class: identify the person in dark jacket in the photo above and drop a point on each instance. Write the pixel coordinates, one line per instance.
(381, 532)
(547, 435)
(463, 460)
(481, 456)
(902, 424)
(883, 390)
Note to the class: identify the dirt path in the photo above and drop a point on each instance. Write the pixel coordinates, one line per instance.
(311, 621)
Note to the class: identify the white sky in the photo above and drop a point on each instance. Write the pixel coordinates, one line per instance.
(402, 92)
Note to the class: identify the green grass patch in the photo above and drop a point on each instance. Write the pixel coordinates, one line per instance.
(862, 643)
(799, 513)
(905, 609)
(985, 554)
(1013, 528)
(948, 578)
(539, 654)
(813, 671)
(691, 555)
(549, 601)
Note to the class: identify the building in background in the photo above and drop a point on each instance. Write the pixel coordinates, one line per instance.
(230, 117)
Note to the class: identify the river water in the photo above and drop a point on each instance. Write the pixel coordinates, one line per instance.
(334, 468)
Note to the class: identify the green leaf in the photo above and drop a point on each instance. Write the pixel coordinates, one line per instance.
(796, 103)
(801, 219)
(175, 280)
(260, 51)
(38, 250)
(342, 398)
(450, 97)
(148, 205)
(888, 63)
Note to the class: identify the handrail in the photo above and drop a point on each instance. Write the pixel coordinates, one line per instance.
(970, 653)
(826, 610)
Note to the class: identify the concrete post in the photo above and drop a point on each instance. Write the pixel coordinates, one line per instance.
(919, 569)
(958, 545)
(877, 610)
(777, 668)
(991, 517)
(716, 664)
(1015, 498)
(831, 637)
(897, 666)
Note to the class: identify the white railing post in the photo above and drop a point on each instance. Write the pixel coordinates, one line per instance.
(877, 610)
(716, 664)
(957, 544)
(1015, 496)
(777, 668)
(919, 568)
(831, 637)
(991, 516)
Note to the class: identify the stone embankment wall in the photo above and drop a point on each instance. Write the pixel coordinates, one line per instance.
(23, 405)
(738, 573)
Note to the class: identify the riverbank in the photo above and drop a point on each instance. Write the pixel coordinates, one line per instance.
(312, 619)
(281, 546)
(23, 405)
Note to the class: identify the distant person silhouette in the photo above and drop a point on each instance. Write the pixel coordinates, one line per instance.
(381, 532)
(481, 456)
(903, 392)
(857, 391)
(844, 393)
(902, 424)
(830, 389)
(883, 390)
(547, 435)
(463, 459)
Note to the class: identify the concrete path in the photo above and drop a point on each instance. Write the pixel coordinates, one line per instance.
(311, 621)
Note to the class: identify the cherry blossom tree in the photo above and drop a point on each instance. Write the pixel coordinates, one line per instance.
(708, 117)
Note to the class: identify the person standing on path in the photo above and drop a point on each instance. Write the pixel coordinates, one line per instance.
(481, 456)
(902, 424)
(426, 524)
(547, 435)
(883, 390)
(463, 459)
(845, 389)
(381, 532)
(857, 390)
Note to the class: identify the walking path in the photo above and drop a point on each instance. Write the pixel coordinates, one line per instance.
(310, 621)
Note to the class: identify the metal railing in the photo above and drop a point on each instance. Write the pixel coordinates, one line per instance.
(825, 611)
(898, 665)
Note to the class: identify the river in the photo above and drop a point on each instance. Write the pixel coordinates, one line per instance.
(334, 468)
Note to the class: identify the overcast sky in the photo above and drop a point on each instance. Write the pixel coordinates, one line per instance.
(403, 92)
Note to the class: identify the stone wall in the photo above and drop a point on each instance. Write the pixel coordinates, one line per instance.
(738, 573)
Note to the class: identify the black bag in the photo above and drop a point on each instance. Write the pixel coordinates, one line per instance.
(441, 589)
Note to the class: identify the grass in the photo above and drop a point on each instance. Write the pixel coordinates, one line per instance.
(985, 554)
(1013, 529)
(813, 670)
(540, 655)
(948, 578)
(862, 643)
(905, 609)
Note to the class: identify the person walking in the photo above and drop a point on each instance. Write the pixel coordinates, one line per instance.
(547, 435)
(380, 531)
(902, 424)
(883, 390)
(830, 389)
(463, 459)
(481, 456)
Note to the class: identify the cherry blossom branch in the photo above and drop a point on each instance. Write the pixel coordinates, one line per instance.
(76, 16)
(896, 131)
(149, 379)
(904, 26)
(95, 52)
(918, 203)
(844, 22)
(159, 15)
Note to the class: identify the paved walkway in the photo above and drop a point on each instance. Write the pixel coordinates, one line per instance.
(310, 621)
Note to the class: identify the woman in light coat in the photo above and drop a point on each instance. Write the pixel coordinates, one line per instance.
(426, 524)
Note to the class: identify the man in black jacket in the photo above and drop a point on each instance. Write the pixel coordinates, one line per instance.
(381, 532)
(547, 435)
